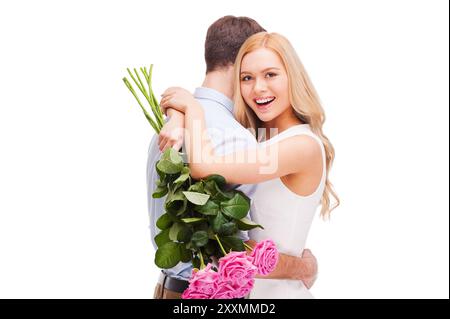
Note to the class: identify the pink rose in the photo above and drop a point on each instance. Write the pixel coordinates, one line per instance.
(192, 294)
(224, 291)
(245, 289)
(265, 256)
(237, 269)
(202, 282)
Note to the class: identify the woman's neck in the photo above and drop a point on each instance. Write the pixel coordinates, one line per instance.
(281, 123)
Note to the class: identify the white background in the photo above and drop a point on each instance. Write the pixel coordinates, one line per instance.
(73, 142)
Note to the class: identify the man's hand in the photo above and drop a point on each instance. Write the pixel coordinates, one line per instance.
(302, 268)
(309, 267)
(172, 133)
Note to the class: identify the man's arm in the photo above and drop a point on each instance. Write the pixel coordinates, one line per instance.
(291, 267)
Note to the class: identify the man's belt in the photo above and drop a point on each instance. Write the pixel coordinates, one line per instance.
(174, 284)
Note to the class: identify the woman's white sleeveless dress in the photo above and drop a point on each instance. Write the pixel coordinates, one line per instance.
(286, 218)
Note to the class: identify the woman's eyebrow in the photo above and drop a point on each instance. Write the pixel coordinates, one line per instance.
(266, 69)
(271, 68)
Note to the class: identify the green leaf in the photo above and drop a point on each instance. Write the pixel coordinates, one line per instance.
(226, 195)
(200, 238)
(160, 183)
(218, 193)
(233, 243)
(162, 238)
(164, 222)
(211, 248)
(211, 233)
(177, 196)
(180, 209)
(218, 179)
(168, 255)
(160, 192)
(218, 221)
(247, 224)
(184, 176)
(202, 226)
(176, 203)
(174, 230)
(197, 187)
(192, 220)
(236, 208)
(210, 187)
(243, 195)
(171, 162)
(174, 156)
(185, 254)
(168, 167)
(161, 174)
(196, 198)
(185, 234)
(176, 209)
(210, 208)
(228, 229)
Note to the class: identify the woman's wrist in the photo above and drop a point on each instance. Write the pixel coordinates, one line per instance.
(172, 112)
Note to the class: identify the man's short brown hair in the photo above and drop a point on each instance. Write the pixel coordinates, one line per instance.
(225, 37)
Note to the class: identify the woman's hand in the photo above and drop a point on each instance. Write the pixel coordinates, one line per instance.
(172, 133)
(177, 98)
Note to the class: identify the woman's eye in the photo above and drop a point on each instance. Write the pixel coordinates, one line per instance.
(246, 78)
(270, 75)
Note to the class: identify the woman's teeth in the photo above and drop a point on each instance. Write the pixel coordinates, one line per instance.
(264, 103)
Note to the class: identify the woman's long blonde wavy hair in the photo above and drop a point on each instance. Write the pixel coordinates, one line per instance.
(302, 96)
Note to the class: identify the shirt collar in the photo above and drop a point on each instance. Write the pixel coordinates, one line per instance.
(216, 96)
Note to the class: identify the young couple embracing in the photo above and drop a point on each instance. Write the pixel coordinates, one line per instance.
(263, 120)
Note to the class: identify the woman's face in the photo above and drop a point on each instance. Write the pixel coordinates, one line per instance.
(265, 84)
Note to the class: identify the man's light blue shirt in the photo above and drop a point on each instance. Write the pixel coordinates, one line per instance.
(227, 136)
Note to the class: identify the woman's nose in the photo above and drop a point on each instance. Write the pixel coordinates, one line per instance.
(260, 85)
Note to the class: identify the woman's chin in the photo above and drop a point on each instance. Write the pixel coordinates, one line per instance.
(265, 117)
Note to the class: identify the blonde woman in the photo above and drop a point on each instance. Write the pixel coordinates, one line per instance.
(274, 97)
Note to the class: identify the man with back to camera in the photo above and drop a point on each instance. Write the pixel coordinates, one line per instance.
(223, 40)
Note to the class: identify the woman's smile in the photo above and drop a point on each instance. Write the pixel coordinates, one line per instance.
(263, 104)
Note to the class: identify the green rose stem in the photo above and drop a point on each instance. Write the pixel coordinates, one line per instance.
(149, 83)
(149, 119)
(151, 96)
(158, 122)
(202, 262)
(220, 244)
(152, 101)
(248, 247)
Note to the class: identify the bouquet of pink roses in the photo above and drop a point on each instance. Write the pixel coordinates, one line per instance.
(234, 277)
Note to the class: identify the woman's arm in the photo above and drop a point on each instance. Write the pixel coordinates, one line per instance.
(249, 166)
